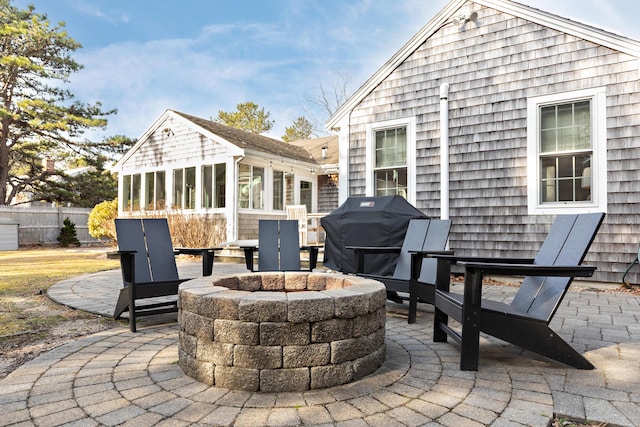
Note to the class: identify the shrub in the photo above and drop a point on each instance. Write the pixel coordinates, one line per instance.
(68, 235)
(101, 225)
(196, 231)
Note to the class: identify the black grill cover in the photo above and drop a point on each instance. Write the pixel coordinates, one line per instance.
(366, 221)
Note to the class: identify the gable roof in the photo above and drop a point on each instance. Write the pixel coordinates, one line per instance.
(239, 139)
(251, 141)
(448, 15)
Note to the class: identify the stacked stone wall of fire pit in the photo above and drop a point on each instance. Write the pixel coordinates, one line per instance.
(277, 332)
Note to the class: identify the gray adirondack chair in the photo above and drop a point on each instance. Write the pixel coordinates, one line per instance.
(279, 247)
(147, 261)
(425, 237)
(525, 321)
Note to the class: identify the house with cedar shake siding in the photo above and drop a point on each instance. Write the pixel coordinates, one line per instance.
(501, 116)
(193, 166)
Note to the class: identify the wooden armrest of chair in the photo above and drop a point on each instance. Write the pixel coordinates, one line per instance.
(508, 269)
(454, 259)
(435, 254)
(118, 254)
(474, 272)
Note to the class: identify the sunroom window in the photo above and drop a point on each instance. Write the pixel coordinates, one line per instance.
(250, 187)
(214, 179)
(154, 190)
(184, 188)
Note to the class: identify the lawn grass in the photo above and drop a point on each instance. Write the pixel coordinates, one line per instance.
(25, 276)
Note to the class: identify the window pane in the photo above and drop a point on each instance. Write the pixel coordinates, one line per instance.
(207, 186)
(126, 192)
(278, 190)
(547, 118)
(548, 140)
(160, 190)
(244, 184)
(391, 147)
(565, 115)
(136, 187)
(390, 182)
(306, 194)
(566, 178)
(178, 184)
(149, 181)
(583, 113)
(257, 188)
(289, 180)
(221, 185)
(190, 188)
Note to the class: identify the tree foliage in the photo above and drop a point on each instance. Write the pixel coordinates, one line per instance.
(248, 116)
(300, 129)
(101, 220)
(38, 116)
(68, 234)
(83, 181)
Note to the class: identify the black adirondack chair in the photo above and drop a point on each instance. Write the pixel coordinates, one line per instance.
(424, 236)
(279, 247)
(525, 321)
(147, 261)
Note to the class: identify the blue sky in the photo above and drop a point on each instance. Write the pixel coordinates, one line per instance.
(202, 56)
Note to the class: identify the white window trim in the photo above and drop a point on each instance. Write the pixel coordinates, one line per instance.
(598, 203)
(410, 123)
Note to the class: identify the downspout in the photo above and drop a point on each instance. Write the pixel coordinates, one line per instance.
(234, 204)
(444, 151)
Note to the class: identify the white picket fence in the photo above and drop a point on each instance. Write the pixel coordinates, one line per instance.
(41, 225)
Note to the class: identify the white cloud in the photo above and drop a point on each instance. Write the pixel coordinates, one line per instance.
(113, 16)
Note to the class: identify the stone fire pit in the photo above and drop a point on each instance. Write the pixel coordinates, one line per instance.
(277, 332)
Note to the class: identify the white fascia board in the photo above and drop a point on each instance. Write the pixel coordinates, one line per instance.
(565, 25)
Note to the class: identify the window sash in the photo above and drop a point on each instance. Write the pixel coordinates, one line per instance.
(391, 182)
(178, 187)
(220, 185)
(160, 190)
(149, 190)
(390, 168)
(250, 186)
(565, 152)
(278, 190)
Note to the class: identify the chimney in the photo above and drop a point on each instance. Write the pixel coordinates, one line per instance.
(49, 165)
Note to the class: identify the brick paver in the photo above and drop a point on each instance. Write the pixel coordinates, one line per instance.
(119, 378)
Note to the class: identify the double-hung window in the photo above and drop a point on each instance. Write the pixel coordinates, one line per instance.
(390, 164)
(567, 152)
